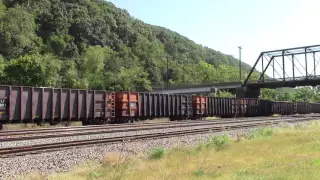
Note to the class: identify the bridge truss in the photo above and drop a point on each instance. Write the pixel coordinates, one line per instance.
(293, 64)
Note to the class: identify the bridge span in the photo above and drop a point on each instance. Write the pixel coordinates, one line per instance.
(290, 67)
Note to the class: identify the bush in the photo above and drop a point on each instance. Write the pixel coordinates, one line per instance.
(93, 175)
(219, 142)
(157, 153)
(262, 132)
(198, 173)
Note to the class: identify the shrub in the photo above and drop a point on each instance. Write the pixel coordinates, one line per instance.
(93, 175)
(219, 142)
(261, 132)
(198, 172)
(157, 153)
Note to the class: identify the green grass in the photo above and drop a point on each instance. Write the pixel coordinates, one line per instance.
(284, 153)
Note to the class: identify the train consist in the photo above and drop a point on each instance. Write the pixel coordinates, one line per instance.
(21, 104)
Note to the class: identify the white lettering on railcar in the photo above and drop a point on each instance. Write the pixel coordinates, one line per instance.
(3, 103)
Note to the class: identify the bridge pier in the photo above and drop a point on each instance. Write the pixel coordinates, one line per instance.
(245, 92)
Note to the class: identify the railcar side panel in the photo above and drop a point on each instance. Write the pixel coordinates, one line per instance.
(315, 107)
(264, 108)
(283, 108)
(302, 108)
(126, 105)
(24, 104)
(199, 105)
(180, 106)
(153, 105)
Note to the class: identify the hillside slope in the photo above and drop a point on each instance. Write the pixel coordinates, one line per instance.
(94, 44)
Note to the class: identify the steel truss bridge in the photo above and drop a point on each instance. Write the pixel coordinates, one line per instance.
(290, 67)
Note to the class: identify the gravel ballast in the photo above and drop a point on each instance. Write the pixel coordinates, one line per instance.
(99, 136)
(64, 160)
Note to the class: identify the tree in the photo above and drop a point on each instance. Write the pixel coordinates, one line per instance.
(17, 35)
(33, 70)
(2, 67)
(69, 76)
(92, 67)
(94, 44)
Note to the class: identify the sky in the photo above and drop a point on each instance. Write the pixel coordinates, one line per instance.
(223, 25)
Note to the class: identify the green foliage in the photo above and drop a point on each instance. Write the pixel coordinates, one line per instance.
(224, 94)
(261, 132)
(17, 32)
(69, 75)
(93, 175)
(307, 94)
(92, 67)
(157, 153)
(2, 9)
(315, 162)
(93, 44)
(243, 172)
(34, 69)
(2, 67)
(218, 142)
(198, 172)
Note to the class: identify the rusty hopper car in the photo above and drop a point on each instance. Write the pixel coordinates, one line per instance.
(21, 104)
(199, 107)
(204, 106)
(131, 106)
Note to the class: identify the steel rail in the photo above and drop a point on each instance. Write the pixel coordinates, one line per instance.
(83, 128)
(23, 150)
(125, 129)
(14, 132)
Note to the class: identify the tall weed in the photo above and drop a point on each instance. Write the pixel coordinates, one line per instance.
(218, 142)
(261, 132)
(157, 153)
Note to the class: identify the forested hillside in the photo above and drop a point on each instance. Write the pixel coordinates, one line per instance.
(93, 44)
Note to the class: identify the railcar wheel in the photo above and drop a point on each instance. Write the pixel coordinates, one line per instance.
(84, 123)
(53, 123)
(40, 123)
(68, 123)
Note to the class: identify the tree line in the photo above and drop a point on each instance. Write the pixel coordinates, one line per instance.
(93, 44)
(299, 94)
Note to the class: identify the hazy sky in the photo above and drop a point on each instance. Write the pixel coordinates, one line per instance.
(256, 25)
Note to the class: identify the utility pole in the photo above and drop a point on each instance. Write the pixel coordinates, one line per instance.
(167, 75)
(240, 61)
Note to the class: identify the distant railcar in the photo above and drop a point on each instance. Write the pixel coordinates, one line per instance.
(22, 104)
(302, 108)
(283, 107)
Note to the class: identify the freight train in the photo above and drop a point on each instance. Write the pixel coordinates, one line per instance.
(22, 104)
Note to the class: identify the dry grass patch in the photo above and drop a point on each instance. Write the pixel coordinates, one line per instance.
(35, 126)
(211, 118)
(285, 153)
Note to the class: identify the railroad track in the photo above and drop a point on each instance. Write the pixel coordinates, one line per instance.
(40, 148)
(56, 129)
(67, 132)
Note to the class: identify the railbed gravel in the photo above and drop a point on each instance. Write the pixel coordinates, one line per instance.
(64, 160)
(98, 136)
